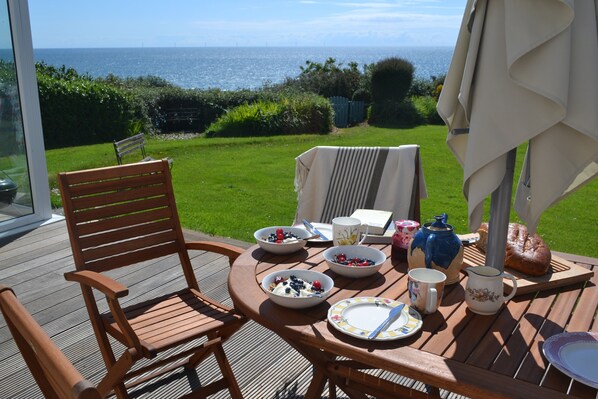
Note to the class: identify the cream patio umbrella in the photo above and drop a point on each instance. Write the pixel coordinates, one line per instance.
(523, 71)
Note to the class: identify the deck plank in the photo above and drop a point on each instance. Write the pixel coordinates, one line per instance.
(33, 264)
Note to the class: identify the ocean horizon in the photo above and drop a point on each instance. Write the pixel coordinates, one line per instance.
(231, 68)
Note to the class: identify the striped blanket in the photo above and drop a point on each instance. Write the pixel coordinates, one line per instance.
(334, 181)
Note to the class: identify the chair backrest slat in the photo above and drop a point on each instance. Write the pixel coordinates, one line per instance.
(135, 219)
(130, 245)
(123, 208)
(115, 262)
(97, 185)
(107, 173)
(116, 235)
(116, 197)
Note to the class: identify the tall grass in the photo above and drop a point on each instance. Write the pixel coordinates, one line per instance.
(232, 187)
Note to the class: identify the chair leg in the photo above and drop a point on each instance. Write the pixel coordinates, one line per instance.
(331, 390)
(227, 372)
(102, 337)
(317, 384)
(197, 358)
(114, 378)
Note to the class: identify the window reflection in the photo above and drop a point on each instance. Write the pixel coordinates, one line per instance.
(15, 188)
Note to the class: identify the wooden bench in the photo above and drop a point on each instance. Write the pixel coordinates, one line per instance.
(189, 115)
(133, 144)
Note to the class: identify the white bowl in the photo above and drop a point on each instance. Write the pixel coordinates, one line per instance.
(298, 302)
(282, 248)
(354, 251)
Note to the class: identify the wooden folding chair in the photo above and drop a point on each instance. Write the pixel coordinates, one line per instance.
(122, 215)
(54, 373)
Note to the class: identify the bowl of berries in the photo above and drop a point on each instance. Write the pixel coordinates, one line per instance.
(297, 289)
(282, 240)
(354, 260)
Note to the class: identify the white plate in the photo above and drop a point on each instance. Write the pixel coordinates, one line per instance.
(575, 354)
(324, 228)
(358, 317)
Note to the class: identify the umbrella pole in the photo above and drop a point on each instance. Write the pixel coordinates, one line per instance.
(500, 210)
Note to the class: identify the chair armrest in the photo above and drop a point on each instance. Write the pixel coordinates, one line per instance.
(109, 287)
(6, 288)
(113, 290)
(232, 251)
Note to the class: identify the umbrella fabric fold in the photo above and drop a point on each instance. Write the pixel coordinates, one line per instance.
(524, 71)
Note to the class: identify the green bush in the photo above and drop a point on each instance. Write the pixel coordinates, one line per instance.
(426, 108)
(80, 111)
(362, 95)
(173, 109)
(290, 115)
(394, 114)
(135, 83)
(329, 79)
(391, 80)
(9, 110)
(427, 87)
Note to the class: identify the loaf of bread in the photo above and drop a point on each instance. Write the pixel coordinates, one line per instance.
(526, 253)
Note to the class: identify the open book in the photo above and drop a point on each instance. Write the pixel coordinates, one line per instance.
(377, 221)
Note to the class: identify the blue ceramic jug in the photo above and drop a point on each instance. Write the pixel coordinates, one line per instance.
(436, 246)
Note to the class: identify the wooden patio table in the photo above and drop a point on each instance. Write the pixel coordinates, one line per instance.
(498, 356)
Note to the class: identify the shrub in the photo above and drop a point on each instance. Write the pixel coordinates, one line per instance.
(421, 88)
(391, 80)
(426, 108)
(393, 113)
(9, 109)
(328, 79)
(362, 95)
(137, 82)
(427, 87)
(290, 115)
(79, 111)
(173, 109)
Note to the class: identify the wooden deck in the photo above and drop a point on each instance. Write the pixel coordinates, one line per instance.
(33, 265)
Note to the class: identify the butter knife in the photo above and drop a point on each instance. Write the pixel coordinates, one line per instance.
(394, 313)
(311, 228)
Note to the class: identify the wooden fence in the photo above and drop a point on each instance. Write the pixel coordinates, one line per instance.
(347, 112)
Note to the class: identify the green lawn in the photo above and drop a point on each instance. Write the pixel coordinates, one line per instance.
(232, 187)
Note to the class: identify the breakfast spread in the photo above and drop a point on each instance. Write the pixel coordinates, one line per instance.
(281, 237)
(344, 260)
(295, 287)
(525, 253)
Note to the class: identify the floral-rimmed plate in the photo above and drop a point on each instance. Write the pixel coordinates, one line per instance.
(358, 317)
(575, 354)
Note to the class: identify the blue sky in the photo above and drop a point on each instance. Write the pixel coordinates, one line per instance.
(192, 23)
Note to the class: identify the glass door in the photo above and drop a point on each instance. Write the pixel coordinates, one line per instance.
(24, 193)
(15, 185)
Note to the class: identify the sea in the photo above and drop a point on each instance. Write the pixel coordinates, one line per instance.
(231, 68)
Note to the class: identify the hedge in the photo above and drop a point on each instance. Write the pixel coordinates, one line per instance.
(82, 111)
(307, 113)
(199, 107)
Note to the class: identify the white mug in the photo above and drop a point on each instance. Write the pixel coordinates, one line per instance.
(484, 291)
(425, 289)
(347, 230)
